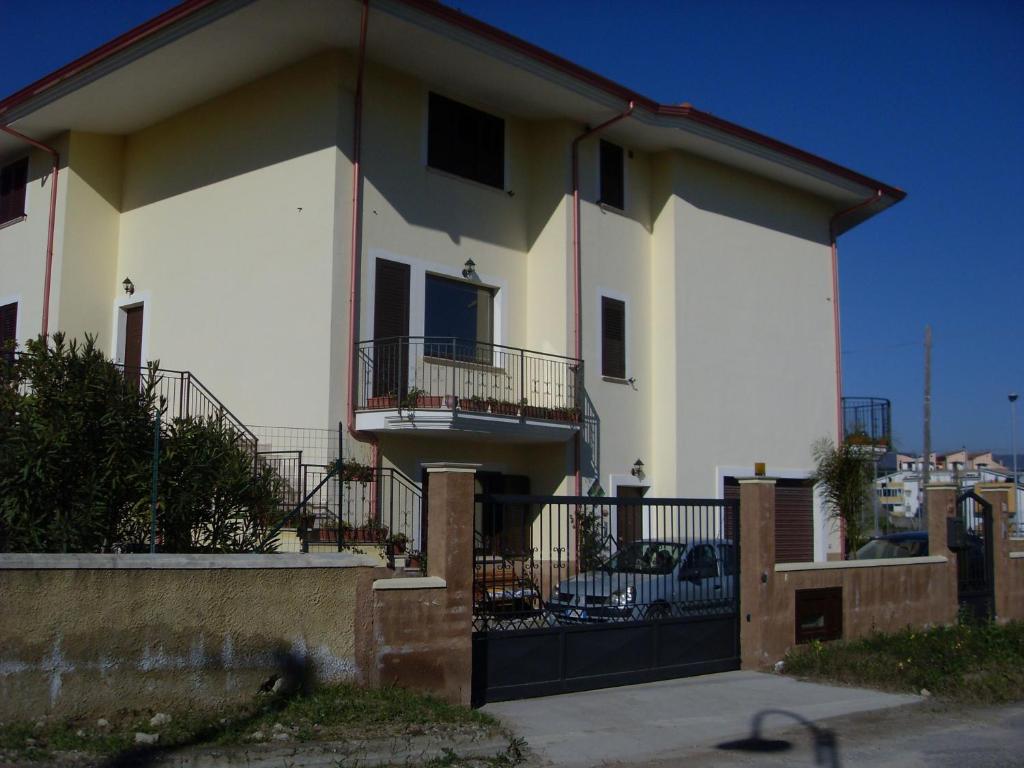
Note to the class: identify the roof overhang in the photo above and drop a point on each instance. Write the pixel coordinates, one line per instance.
(202, 48)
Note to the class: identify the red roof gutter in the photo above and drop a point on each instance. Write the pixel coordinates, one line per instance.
(497, 36)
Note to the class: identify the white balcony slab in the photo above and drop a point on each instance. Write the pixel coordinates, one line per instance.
(465, 425)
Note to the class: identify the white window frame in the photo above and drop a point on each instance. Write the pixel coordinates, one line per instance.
(599, 333)
(418, 270)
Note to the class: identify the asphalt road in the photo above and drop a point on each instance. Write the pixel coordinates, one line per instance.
(931, 735)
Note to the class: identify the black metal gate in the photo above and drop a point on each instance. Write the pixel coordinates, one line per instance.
(971, 538)
(561, 604)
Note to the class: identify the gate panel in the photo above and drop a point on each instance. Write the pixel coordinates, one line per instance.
(561, 603)
(975, 576)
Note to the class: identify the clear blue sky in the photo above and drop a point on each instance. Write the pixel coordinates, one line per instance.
(928, 96)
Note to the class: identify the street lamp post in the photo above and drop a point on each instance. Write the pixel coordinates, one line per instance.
(1013, 446)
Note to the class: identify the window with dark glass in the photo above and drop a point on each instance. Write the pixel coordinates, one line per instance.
(459, 319)
(613, 177)
(13, 180)
(465, 141)
(613, 338)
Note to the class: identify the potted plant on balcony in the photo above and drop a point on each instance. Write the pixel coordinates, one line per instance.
(535, 411)
(397, 542)
(502, 407)
(350, 470)
(564, 413)
(378, 402)
(474, 403)
(370, 532)
(418, 398)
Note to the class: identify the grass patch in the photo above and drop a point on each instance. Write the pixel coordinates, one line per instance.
(330, 713)
(968, 662)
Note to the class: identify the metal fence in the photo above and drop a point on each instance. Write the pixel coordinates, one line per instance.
(542, 561)
(416, 372)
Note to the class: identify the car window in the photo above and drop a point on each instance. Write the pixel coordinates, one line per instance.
(884, 548)
(645, 557)
(728, 552)
(702, 560)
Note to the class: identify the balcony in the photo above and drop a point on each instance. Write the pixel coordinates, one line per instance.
(458, 388)
(867, 424)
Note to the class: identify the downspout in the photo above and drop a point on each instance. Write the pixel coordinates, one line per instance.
(576, 288)
(53, 219)
(835, 313)
(835, 305)
(354, 252)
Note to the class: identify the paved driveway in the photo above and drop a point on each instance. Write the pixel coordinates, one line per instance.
(658, 721)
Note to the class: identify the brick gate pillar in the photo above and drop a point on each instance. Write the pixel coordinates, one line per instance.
(941, 507)
(420, 630)
(998, 495)
(757, 567)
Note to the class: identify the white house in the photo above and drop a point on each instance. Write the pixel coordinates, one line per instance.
(341, 211)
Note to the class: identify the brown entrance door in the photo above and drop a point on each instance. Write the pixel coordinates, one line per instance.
(133, 343)
(629, 524)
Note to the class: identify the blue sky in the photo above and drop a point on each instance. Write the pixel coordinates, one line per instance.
(928, 96)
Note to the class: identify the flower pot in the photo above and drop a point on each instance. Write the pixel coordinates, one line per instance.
(429, 401)
(504, 409)
(477, 406)
(383, 401)
(537, 412)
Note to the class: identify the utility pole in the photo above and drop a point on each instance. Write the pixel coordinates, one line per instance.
(1013, 446)
(926, 463)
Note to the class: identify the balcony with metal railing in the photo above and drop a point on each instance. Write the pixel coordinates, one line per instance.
(867, 424)
(449, 387)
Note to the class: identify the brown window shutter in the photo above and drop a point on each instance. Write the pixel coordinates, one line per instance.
(613, 338)
(8, 329)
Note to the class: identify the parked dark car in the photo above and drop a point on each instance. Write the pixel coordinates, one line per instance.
(905, 544)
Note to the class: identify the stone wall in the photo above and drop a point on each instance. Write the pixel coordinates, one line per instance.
(94, 634)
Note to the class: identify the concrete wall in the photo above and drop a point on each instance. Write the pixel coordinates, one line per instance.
(94, 634)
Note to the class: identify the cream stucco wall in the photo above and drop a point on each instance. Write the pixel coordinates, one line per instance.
(23, 243)
(748, 295)
(228, 232)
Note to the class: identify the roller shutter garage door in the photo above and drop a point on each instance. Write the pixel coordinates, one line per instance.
(794, 518)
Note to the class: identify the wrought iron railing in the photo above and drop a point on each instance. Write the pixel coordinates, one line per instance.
(346, 505)
(420, 372)
(867, 421)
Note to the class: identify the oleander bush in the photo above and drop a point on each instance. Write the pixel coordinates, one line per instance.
(77, 456)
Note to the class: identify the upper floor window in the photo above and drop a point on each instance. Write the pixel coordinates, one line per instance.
(613, 338)
(13, 179)
(613, 176)
(458, 319)
(465, 141)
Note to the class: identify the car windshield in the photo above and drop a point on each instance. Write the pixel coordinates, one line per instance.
(644, 557)
(882, 548)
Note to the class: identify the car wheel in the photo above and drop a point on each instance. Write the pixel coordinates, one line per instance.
(656, 611)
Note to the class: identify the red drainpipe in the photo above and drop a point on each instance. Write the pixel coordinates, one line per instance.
(53, 218)
(577, 320)
(835, 305)
(354, 251)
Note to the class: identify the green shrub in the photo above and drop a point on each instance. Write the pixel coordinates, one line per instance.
(76, 462)
(75, 449)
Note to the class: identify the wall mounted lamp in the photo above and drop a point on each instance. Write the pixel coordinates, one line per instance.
(638, 469)
(469, 270)
(129, 286)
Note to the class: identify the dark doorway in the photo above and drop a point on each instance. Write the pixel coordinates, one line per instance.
(628, 521)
